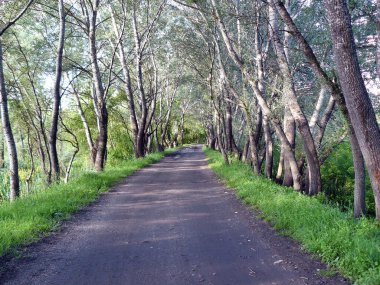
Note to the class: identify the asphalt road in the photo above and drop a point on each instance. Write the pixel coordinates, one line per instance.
(170, 223)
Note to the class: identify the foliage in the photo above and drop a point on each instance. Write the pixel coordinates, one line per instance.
(338, 178)
(352, 246)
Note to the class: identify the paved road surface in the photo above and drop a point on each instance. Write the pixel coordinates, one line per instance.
(170, 223)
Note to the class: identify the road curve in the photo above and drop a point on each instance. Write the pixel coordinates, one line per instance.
(171, 223)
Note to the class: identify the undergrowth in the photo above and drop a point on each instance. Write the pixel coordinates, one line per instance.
(31, 217)
(351, 246)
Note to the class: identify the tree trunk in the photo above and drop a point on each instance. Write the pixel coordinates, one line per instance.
(57, 95)
(168, 116)
(140, 140)
(335, 89)
(220, 140)
(2, 152)
(8, 135)
(359, 190)
(212, 138)
(322, 123)
(99, 95)
(260, 99)
(101, 141)
(69, 167)
(252, 142)
(356, 96)
(378, 39)
(314, 175)
(290, 132)
(314, 117)
(268, 148)
(280, 169)
(86, 127)
(182, 127)
(228, 123)
(127, 84)
(28, 179)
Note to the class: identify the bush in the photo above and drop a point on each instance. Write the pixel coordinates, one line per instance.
(338, 180)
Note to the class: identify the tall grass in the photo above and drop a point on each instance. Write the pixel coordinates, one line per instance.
(352, 246)
(31, 217)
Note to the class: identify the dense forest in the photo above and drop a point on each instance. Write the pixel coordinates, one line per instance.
(289, 87)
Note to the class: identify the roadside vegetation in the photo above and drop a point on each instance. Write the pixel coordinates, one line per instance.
(346, 244)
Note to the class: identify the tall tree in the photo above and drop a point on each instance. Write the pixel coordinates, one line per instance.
(57, 94)
(5, 120)
(359, 105)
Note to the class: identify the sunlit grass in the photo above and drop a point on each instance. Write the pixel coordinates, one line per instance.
(352, 246)
(31, 217)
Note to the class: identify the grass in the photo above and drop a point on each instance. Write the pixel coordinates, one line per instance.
(29, 218)
(349, 245)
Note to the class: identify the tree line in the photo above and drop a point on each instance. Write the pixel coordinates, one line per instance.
(71, 72)
(290, 74)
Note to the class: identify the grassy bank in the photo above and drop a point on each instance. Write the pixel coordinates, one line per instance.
(352, 246)
(31, 217)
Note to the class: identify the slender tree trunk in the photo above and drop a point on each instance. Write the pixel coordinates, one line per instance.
(2, 151)
(261, 85)
(359, 190)
(260, 99)
(168, 116)
(252, 142)
(314, 176)
(182, 127)
(99, 95)
(378, 39)
(70, 165)
(86, 127)
(228, 123)
(314, 117)
(331, 85)
(280, 169)
(356, 96)
(28, 179)
(140, 141)
(57, 95)
(101, 142)
(290, 132)
(244, 157)
(322, 123)
(212, 137)
(8, 134)
(220, 140)
(127, 84)
(268, 148)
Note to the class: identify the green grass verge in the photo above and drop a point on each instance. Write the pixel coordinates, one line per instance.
(351, 246)
(31, 217)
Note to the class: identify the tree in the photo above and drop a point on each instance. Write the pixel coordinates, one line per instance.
(7, 129)
(358, 103)
(57, 93)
